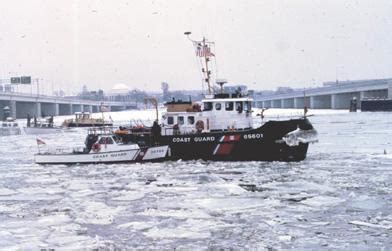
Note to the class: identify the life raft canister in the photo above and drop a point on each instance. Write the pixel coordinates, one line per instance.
(96, 147)
(200, 125)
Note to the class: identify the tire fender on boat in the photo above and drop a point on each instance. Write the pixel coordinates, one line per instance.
(200, 125)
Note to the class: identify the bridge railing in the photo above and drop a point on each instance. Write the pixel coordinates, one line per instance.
(327, 90)
(48, 98)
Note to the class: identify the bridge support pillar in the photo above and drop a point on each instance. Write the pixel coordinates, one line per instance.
(361, 95)
(333, 101)
(71, 111)
(13, 108)
(390, 90)
(311, 106)
(56, 109)
(38, 109)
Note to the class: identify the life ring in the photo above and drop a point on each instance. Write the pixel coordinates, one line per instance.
(200, 125)
(121, 132)
(96, 147)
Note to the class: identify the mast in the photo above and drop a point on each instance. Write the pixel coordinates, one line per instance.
(207, 71)
(203, 50)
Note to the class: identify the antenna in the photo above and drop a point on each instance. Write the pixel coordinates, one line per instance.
(221, 82)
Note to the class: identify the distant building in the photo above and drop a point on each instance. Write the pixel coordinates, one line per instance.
(235, 88)
(119, 92)
(283, 89)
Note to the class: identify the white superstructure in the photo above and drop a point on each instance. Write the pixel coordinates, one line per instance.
(213, 114)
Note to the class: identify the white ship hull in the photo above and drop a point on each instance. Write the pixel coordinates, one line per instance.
(130, 155)
(41, 130)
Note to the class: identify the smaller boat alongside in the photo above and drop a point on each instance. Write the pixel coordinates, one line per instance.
(102, 146)
(41, 127)
(84, 119)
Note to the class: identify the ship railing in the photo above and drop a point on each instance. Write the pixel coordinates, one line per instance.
(102, 130)
(171, 130)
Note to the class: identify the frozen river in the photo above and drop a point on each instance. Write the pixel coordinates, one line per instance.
(340, 197)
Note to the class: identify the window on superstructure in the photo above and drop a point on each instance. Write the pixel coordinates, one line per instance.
(229, 106)
(207, 106)
(218, 106)
(170, 120)
(180, 120)
(239, 107)
(247, 106)
(191, 120)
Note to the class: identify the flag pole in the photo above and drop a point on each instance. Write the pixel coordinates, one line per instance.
(205, 52)
(36, 139)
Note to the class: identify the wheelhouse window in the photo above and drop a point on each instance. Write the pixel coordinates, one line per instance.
(207, 106)
(180, 120)
(218, 106)
(170, 120)
(247, 106)
(191, 120)
(116, 139)
(239, 107)
(229, 106)
(106, 140)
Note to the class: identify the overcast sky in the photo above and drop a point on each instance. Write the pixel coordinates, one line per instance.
(261, 43)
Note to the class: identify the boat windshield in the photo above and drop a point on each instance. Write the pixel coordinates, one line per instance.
(106, 141)
(116, 139)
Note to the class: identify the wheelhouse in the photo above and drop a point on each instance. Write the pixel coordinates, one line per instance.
(219, 113)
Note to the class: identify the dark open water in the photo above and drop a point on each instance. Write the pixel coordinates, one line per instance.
(340, 197)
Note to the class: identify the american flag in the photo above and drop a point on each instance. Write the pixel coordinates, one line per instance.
(40, 142)
(203, 51)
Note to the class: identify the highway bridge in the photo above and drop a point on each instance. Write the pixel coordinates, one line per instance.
(22, 104)
(334, 96)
